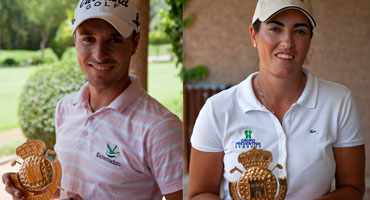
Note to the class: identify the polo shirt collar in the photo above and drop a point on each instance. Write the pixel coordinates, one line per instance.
(128, 96)
(308, 97)
(125, 99)
(82, 97)
(248, 100)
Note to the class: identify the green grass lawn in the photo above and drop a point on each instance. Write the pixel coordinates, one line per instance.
(163, 49)
(23, 55)
(12, 80)
(165, 85)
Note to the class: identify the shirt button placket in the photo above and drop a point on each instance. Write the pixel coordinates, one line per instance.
(287, 120)
(85, 133)
(88, 124)
(283, 153)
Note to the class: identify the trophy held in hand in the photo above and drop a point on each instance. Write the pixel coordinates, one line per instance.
(257, 182)
(40, 173)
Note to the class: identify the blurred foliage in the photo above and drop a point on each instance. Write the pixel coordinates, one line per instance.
(171, 24)
(38, 60)
(16, 30)
(154, 15)
(40, 96)
(47, 16)
(189, 20)
(64, 32)
(58, 47)
(9, 62)
(193, 74)
(63, 36)
(157, 37)
(30, 24)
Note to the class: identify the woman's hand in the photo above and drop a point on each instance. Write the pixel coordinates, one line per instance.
(10, 188)
(350, 173)
(205, 174)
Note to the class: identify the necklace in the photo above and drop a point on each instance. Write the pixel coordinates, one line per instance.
(264, 100)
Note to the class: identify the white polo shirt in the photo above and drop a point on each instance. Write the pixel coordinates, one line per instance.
(324, 116)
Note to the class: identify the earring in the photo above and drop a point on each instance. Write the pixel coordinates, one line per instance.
(254, 45)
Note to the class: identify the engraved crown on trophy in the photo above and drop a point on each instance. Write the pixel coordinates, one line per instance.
(255, 158)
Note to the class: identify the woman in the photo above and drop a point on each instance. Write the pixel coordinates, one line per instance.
(311, 126)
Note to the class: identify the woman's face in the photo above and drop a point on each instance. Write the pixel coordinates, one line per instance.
(283, 43)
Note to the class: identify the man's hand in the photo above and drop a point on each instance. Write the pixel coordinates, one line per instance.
(74, 196)
(174, 196)
(10, 188)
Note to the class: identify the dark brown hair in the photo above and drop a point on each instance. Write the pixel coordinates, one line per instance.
(257, 26)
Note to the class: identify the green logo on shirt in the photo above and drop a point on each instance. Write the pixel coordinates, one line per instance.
(312, 131)
(247, 142)
(111, 152)
(248, 134)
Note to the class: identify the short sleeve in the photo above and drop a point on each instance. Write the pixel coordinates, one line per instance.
(207, 130)
(350, 131)
(164, 154)
(57, 118)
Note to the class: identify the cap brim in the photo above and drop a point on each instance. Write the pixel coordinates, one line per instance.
(120, 25)
(267, 16)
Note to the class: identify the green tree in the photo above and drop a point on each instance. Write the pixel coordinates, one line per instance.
(12, 19)
(171, 24)
(63, 38)
(47, 15)
(156, 6)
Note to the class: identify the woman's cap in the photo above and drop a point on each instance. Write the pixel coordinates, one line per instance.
(266, 9)
(121, 14)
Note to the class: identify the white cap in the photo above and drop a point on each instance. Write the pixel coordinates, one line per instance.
(122, 14)
(266, 9)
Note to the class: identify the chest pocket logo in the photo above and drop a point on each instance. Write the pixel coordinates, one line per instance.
(111, 152)
(248, 141)
(312, 131)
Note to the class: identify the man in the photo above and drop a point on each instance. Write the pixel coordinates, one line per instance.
(112, 139)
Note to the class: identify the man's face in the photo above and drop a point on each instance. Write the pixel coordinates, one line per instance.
(103, 54)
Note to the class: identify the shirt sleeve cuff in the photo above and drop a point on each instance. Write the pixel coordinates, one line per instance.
(172, 187)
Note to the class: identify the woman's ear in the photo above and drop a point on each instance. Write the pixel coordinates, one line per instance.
(253, 35)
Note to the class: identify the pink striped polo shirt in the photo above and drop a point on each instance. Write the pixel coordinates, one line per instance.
(130, 149)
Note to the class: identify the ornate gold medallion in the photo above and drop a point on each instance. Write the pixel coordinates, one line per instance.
(257, 182)
(39, 175)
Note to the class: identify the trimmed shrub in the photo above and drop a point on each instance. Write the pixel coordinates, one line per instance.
(40, 96)
(58, 47)
(36, 60)
(9, 62)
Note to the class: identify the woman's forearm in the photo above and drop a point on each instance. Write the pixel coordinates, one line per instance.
(206, 196)
(344, 192)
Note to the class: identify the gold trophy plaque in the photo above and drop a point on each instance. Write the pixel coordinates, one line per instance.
(257, 182)
(39, 175)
